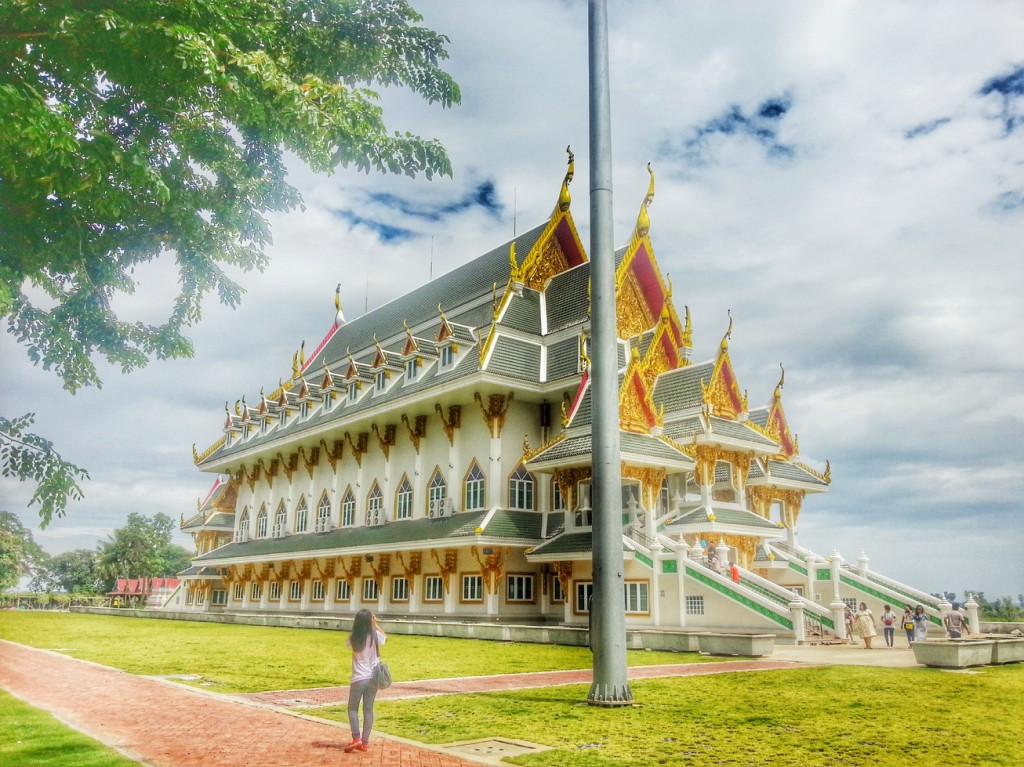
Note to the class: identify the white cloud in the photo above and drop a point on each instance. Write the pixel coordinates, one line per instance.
(874, 266)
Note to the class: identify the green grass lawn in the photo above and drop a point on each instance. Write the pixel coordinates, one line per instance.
(841, 716)
(29, 736)
(848, 716)
(232, 658)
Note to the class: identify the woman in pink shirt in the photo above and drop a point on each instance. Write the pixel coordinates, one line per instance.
(365, 640)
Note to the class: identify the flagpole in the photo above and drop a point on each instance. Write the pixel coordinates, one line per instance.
(610, 686)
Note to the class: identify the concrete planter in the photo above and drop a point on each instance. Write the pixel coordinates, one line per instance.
(748, 645)
(1008, 650)
(959, 653)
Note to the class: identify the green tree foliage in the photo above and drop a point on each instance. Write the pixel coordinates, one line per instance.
(20, 555)
(140, 549)
(27, 456)
(131, 129)
(72, 572)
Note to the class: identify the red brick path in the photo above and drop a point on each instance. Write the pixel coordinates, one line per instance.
(169, 725)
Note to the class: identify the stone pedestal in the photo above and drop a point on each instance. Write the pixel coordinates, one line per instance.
(954, 653)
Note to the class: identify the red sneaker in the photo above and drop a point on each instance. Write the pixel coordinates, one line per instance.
(356, 743)
(363, 745)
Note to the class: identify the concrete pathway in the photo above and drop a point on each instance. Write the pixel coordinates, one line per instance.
(334, 696)
(165, 724)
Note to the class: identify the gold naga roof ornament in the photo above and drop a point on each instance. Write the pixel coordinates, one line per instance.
(339, 316)
(643, 219)
(564, 200)
(781, 383)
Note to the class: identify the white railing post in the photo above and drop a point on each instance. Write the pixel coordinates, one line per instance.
(796, 609)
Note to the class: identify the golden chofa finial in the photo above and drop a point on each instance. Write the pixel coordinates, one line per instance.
(728, 333)
(643, 220)
(781, 383)
(339, 314)
(563, 196)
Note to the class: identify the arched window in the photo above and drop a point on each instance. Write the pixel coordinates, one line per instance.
(348, 508)
(261, 522)
(323, 514)
(475, 485)
(375, 505)
(280, 521)
(243, 526)
(403, 499)
(301, 516)
(437, 493)
(520, 489)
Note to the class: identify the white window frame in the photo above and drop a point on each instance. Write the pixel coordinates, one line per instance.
(219, 597)
(433, 588)
(521, 486)
(403, 499)
(374, 505)
(399, 588)
(238, 592)
(412, 369)
(519, 587)
(637, 595)
(343, 591)
(474, 489)
(318, 592)
(472, 588)
(302, 516)
(295, 591)
(437, 494)
(275, 591)
(583, 592)
(256, 591)
(380, 380)
(348, 508)
(447, 356)
(261, 522)
(323, 514)
(694, 605)
(370, 592)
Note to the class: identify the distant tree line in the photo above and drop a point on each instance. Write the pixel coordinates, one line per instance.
(140, 549)
(1002, 609)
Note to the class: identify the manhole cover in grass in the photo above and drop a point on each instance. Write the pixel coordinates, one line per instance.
(495, 749)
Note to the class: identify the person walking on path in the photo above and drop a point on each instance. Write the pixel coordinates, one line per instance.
(888, 618)
(848, 619)
(365, 641)
(956, 622)
(920, 624)
(907, 621)
(865, 623)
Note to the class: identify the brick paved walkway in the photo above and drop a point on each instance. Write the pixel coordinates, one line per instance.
(168, 725)
(165, 724)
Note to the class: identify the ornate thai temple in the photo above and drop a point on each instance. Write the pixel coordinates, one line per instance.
(430, 460)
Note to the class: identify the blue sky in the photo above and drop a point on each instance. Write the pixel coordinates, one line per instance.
(846, 178)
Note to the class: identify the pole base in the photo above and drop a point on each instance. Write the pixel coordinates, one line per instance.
(610, 696)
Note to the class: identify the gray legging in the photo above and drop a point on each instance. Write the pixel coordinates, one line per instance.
(365, 691)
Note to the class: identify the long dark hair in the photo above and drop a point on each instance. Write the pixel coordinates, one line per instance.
(362, 625)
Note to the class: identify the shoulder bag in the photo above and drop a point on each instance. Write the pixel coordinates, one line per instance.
(381, 672)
